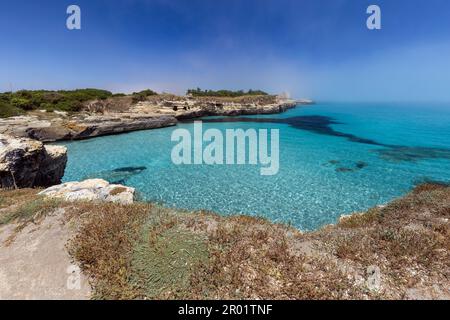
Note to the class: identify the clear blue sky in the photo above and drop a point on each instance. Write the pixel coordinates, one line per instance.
(311, 48)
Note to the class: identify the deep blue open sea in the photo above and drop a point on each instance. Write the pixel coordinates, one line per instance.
(334, 159)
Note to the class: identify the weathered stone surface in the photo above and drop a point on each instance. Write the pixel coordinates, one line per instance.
(93, 126)
(26, 163)
(82, 126)
(91, 190)
(185, 109)
(47, 134)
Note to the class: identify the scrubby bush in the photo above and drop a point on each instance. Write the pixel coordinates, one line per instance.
(86, 94)
(7, 110)
(63, 100)
(69, 105)
(146, 93)
(142, 95)
(21, 103)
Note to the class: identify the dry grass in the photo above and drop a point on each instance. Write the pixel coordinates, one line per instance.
(109, 105)
(253, 259)
(117, 190)
(150, 252)
(146, 252)
(409, 240)
(22, 207)
(104, 246)
(10, 197)
(143, 251)
(135, 251)
(31, 211)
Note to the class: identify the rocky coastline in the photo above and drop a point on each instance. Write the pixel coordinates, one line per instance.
(26, 162)
(335, 262)
(81, 127)
(142, 116)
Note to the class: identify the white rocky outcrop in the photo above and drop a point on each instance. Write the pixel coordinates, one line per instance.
(82, 126)
(26, 163)
(184, 109)
(91, 190)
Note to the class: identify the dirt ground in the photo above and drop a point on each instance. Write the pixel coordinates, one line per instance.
(34, 264)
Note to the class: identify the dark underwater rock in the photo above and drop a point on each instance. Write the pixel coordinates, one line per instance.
(119, 175)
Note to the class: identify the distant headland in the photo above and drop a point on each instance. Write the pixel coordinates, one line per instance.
(83, 113)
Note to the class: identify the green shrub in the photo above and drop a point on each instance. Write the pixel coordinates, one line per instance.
(142, 95)
(82, 95)
(145, 93)
(21, 103)
(137, 98)
(7, 110)
(47, 106)
(64, 100)
(70, 106)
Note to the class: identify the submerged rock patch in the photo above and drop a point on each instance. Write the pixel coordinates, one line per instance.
(118, 175)
(344, 169)
(412, 154)
(322, 125)
(355, 167)
(361, 165)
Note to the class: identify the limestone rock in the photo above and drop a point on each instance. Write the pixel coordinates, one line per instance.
(91, 190)
(27, 163)
(162, 111)
(82, 126)
(52, 167)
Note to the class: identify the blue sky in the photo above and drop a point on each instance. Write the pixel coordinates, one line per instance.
(320, 49)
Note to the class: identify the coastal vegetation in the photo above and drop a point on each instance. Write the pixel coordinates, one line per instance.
(225, 93)
(72, 101)
(142, 95)
(62, 100)
(8, 110)
(145, 251)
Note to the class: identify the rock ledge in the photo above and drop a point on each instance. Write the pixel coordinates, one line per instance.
(91, 190)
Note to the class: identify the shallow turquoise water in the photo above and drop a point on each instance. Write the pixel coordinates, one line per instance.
(326, 170)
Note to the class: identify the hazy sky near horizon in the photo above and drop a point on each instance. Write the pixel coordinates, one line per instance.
(318, 49)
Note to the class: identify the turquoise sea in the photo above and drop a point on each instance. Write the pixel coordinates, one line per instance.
(335, 159)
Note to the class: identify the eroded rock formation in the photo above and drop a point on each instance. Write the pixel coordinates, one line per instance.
(81, 127)
(155, 112)
(27, 163)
